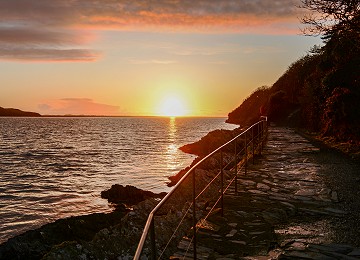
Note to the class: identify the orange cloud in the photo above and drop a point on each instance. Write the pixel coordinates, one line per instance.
(47, 30)
(48, 55)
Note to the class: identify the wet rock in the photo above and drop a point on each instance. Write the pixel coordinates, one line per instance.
(128, 195)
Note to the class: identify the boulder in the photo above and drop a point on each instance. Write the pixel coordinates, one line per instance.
(128, 195)
(210, 142)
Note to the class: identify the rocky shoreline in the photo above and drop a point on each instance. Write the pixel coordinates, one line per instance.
(80, 230)
(115, 235)
(93, 236)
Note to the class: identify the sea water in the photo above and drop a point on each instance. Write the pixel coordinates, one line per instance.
(52, 168)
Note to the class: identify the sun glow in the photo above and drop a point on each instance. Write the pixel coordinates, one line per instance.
(172, 106)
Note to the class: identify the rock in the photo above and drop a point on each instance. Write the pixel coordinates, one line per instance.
(247, 182)
(334, 196)
(232, 233)
(210, 142)
(34, 244)
(355, 252)
(262, 187)
(335, 211)
(238, 242)
(257, 233)
(175, 178)
(338, 248)
(305, 192)
(304, 255)
(128, 195)
(115, 242)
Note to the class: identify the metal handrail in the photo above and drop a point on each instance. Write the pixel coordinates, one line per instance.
(149, 226)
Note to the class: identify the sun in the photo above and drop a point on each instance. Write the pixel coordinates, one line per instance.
(172, 106)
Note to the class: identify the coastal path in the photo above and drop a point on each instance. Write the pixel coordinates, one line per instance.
(297, 201)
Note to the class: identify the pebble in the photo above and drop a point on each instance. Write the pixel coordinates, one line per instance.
(334, 196)
(306, 192)
(238, 242)
(232, 233)
(262, 187)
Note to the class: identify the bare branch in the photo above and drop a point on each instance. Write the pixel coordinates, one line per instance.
(329, 17)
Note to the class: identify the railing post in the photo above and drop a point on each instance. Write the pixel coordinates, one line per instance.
(262, 134)
(236, 163)
(152, 239)
(150, 224)
(245, 149)
(194, 213)
(222, 183)
(253, 144)
(260, 138)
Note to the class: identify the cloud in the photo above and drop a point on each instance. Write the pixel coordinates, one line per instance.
(77, 106)
(30, 35)
(140, 14)
(47, 55)
(188, 15)
(62, 25)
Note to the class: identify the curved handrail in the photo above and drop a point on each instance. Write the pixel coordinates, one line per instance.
(164, 200)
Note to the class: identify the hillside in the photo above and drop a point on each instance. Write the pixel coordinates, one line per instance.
(16, 112)
(319, 93)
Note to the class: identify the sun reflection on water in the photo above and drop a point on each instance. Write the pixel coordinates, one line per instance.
(172, 128)
(172, 151)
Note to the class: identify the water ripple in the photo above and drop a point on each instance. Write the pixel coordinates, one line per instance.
(56, 167)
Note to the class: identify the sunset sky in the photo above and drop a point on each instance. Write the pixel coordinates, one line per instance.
(116, 57)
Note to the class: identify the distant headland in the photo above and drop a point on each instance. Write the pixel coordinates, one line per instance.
(16, 112)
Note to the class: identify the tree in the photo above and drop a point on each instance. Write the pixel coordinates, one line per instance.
(329, 18)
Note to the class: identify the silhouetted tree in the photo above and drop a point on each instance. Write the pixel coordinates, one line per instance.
(320, 91)
(332, 17)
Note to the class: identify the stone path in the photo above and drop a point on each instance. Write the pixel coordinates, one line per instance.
(283, 209)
